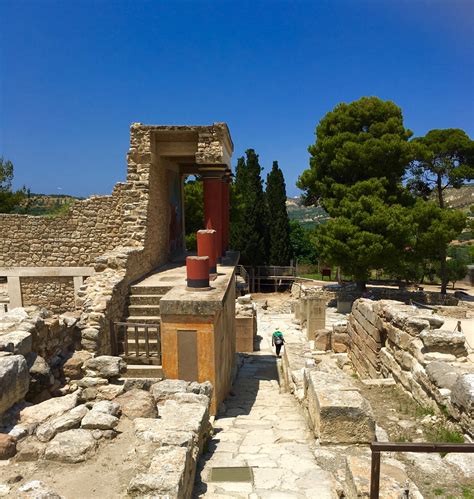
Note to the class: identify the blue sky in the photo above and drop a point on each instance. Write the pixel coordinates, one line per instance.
(75, 74)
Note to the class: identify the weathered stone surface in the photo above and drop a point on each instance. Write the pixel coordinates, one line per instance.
(7, 446)
(166, 476)
(39, 413)
(392, 478)
(72, 368)
(109, 392)
(190, 398)
(156, 431)
(14, 380)
(163, 389)
(38, 490)
(444, 341)
(17, 342)
(322, 339)
(96, 420)
(105, 366)
(338, 412)
(462, 393)
(29, 449)
(72, 446)
(107, 407)
(442, 374)
(68, 421)
(137, 404)
(462, 462)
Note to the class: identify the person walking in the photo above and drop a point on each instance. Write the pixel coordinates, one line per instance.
(278, 340)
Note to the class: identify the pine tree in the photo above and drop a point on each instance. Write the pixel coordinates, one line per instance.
(248, 223)
(279, 245)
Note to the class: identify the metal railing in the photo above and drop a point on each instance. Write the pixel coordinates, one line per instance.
(138, 341)
(378, 447)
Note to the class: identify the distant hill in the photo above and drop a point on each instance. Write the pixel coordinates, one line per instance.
(48, 204)
(460, 199)
(308, 216)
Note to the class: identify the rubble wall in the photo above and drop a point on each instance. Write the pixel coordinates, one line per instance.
(34, 345)
(391, 339)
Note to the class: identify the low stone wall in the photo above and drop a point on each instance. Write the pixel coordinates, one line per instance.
(336, 411)
(33, 347)
(390, 339)
(245, 324)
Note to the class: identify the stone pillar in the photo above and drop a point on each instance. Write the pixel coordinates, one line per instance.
(213, 185)
(303, 310)
(316, 316)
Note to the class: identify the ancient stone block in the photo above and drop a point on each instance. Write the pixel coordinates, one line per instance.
(68, 421)
(105, 366)
(462, 393)
(14, 380)
(444, 341)
(39, 413)
(7, 446)
(17, 342)
(72, 446)
(137, 404)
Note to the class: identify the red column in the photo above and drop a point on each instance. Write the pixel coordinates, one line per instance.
(225, 212)
(197, 271)
(213, 206)
(206, 246)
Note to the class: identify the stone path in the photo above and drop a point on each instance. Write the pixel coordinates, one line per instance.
(263, 427)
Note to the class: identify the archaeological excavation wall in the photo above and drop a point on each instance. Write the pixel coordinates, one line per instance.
(432, 364)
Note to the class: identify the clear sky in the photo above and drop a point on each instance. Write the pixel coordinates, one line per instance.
(75, 74)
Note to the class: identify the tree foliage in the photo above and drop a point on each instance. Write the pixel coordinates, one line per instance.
(279, 246)
(358, 141)
(302, 244)
(444, 158)
(10, 201)
(248, 234)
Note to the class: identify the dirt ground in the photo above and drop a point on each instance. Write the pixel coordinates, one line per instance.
(106, 475)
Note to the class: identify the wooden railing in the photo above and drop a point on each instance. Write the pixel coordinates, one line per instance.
(378, 447)
(138, 342)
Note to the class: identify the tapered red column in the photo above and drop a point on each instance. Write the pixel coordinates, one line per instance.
(213, 187)
(225, 212)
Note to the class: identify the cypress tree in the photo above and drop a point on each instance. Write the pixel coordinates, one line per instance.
(279, 251)
(248, 224)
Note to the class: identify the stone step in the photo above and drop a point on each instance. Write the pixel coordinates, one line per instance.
(143, 371)
(143, 319)
(144, 310)
(138, 289)
(145, 299)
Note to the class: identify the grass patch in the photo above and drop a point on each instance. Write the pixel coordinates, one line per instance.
(445, 435)
(467, 493)
(421, 412)
(438, 491)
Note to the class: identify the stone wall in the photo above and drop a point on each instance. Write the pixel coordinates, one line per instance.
(55, 293)
(34, 345)
(390, 339)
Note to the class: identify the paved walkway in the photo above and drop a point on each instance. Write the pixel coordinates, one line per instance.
(263, 427)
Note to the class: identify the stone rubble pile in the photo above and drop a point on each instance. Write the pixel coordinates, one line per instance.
(171, 421)
(33, 348)
(390, 339)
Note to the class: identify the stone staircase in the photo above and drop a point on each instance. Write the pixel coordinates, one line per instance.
(144, 309)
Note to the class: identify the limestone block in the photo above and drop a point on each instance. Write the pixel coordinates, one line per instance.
(163, 389)
(137, 404)
(444, 341)
(105, 366)
(463, 463)
(462, 393)
(368, 327)
(366, 308)
(442, 374)
(17, 342)
(393, 478)
(72, 446)
(154, 430)
(96, 420)
(68, 421)
(14, 380)
(106, 407)
(166, 477)
(338, 412)
(37, 414)
(72, 367)
(397, 336)
(322, 339)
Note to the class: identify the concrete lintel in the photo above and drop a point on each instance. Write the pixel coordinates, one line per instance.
(45, 271)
